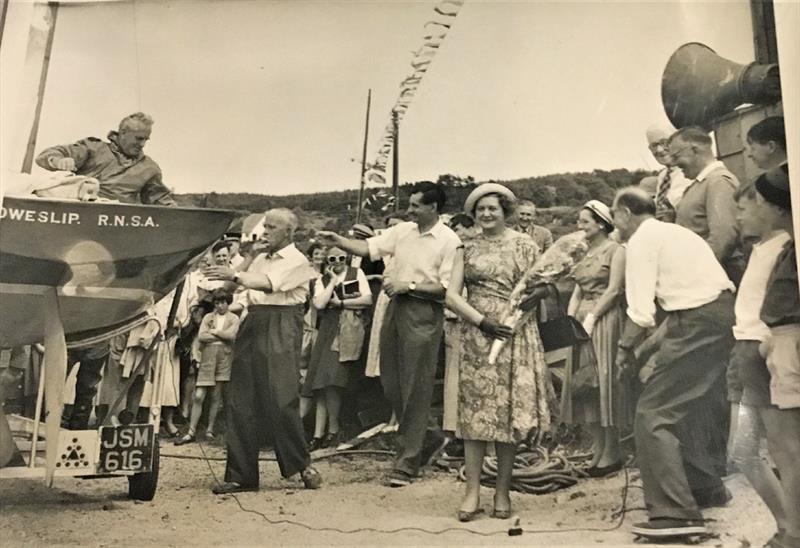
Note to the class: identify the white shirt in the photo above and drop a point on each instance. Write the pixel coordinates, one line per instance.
(670, 263)
(420, 258)
(363, 284)
(753, 288)
(678, 183)
(288, 271)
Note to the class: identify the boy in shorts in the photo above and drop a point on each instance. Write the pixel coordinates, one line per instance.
(781, 313)
(764, 211)
(217, 334)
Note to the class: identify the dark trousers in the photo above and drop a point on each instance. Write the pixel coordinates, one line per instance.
(410, 340)
(92, 360)
(263, 394)
(689, 366)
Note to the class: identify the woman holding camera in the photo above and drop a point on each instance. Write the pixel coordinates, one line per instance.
(340, 295)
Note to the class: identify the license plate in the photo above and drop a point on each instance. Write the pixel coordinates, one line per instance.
(126, 448)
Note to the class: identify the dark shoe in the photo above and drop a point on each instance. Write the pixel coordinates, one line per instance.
(666, 527)
(170, 432)
(603, 471)
(397, 478)
(716, 499)
(332, 440)
(186, 438)
(311, 478)
(231, 487)
(464, 516)
(316, 444)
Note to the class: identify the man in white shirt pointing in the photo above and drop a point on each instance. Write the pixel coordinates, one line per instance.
(674, 266)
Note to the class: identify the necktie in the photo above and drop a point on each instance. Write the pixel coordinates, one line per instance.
(663, 188)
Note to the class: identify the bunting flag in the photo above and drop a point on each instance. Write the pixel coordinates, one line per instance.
(435, 31)
(381, 200)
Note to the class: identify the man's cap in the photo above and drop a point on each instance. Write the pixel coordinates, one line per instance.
(363, 230)
(774, 186)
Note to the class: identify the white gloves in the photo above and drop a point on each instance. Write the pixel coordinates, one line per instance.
(588, 323)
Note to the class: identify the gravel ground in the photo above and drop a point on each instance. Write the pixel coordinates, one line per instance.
(184, 512)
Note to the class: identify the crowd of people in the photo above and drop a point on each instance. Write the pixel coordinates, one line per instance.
(686, 300)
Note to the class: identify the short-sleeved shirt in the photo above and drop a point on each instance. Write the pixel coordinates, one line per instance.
(753, 288)
(286, 273)
(418, 257)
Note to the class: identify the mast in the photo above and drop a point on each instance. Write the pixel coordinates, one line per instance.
(50, 17)
(363, 162)
(395, 158)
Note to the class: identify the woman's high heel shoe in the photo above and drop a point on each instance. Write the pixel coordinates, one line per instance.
(464, 516)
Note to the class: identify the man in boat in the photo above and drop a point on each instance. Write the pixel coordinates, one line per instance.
(125, 174)
(264, 390)
(124, 171)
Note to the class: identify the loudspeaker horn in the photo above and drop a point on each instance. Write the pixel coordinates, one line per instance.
(698, 85)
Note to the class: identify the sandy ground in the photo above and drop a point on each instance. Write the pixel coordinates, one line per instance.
(184, 512)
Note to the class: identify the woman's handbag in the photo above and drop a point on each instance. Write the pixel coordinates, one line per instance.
(561, 332)
(566, 332)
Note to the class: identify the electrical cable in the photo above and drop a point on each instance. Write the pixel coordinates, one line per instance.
(513, 530)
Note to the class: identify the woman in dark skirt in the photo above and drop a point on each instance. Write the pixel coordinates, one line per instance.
(340, 296)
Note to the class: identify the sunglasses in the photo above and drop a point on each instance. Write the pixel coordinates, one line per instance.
(339, 259)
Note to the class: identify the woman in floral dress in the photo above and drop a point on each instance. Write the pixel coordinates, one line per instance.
(502, 402)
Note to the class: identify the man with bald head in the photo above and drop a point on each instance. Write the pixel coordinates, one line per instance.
(697, 298)
(264, 391)
(670, 183)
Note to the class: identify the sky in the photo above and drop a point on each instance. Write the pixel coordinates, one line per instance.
(270, 96)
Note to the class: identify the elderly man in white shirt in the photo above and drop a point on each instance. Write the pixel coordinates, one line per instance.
(672, 265)
(411, 334)
(264, 391)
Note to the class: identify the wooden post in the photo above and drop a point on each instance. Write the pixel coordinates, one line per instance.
(51, 16)
(55, 371)
(362, 182)
(395, 159)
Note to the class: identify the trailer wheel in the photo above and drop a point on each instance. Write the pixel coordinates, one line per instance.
(142, 486)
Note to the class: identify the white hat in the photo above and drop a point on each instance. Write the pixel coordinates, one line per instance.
(481, 191)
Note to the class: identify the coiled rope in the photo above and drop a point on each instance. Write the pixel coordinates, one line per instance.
(536, 470)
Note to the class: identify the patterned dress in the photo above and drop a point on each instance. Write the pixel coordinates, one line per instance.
(608, 404)
(503, 402)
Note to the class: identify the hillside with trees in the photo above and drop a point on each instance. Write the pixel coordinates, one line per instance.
(557, 197)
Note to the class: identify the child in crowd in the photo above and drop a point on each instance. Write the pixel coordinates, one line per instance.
(781, 313)
(770, 402)
(217, 333)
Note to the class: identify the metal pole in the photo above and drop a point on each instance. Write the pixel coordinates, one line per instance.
(395, 158)
(363, 162)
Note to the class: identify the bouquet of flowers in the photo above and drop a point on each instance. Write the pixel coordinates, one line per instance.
(553, 264)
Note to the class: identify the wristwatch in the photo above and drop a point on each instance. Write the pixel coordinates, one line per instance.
(235, 278)
(412, 286)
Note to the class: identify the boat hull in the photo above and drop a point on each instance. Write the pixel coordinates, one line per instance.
(108, 262)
